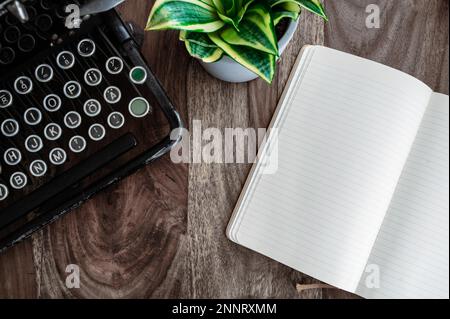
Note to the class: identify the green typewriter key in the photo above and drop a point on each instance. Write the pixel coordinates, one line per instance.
(139, 107)
(138, 75)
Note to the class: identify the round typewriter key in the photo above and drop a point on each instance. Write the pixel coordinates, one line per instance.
(77, 144)
(86, 48)
(112, 95)
(18, 180)
(5, 99)
(139, 107)
(7, 56)
(10, 128)
(4, 192)
(52, 132)
(57, 156)
(52, 103)
(93, 77)
(23, 85)
(38, 168)
(12, 156)
(114, 65)
(33, 144)
(44, 73)
(44, 22)
(92, 108)
(32, 116)
(11, 34)
(26, 43)
(46, 4)
(65, 60)
(11, 20)
(72, 89)
(138, 75)
(116, 120)
(72, 120)
(31, 13)
(97, 132)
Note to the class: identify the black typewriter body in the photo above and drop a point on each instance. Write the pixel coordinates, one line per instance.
(79, 109)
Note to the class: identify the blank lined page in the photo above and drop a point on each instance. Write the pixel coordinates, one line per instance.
(412, 248)
(346, 127)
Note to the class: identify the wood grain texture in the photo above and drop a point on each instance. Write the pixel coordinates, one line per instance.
(161, 232)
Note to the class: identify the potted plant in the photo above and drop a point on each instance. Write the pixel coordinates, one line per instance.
(236, 40)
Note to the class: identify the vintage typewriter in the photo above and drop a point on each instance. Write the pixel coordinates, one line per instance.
(79, 109)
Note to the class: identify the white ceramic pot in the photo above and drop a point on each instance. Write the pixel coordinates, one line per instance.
(228, 70)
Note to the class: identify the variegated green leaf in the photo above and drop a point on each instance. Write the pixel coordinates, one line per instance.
(315, 6)
(261, 63)
(289, 10)
(232, 11)
(192, 15)
(206, 54)
(256, 30)
(198, 38)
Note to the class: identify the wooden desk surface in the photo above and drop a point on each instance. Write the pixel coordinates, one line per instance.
(138, 240)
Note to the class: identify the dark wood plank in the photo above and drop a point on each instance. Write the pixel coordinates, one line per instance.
(413, 36)
(161, 232)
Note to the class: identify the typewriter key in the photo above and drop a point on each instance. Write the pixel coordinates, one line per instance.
(116, 120)
(44, 73)
(72, 89)
(46, 4)
(52, 103)
(7, 55)
(26, 43)
(31, 13)
(112, 95)
(139, 107)
(18, 180)
(77, 144)
(93, 77)
(57, 156)
(72, 120)
(65, 60)
(92, 108)
(33, 144)
(10, 128)
(4, 192)
(11, 34)
(138, 75)
(5, 99)
(44, 22)
(32, 116)
(11, 20)
(12, 157)
(52, 132)
(97, 132)
(38, 168)
(23, 85)
(86, 48)
(114, 65)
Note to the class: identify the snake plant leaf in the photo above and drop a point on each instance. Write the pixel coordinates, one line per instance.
(289, 10)
(315, 6)
(197, 38)
(206, 54)
(261, 63)
(256, 31)
(277, 16)
(232, 11)
(192, 15)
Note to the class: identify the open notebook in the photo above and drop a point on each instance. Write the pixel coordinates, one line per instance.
(360, 199)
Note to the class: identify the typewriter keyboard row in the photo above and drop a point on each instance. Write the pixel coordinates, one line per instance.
(45, 120)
